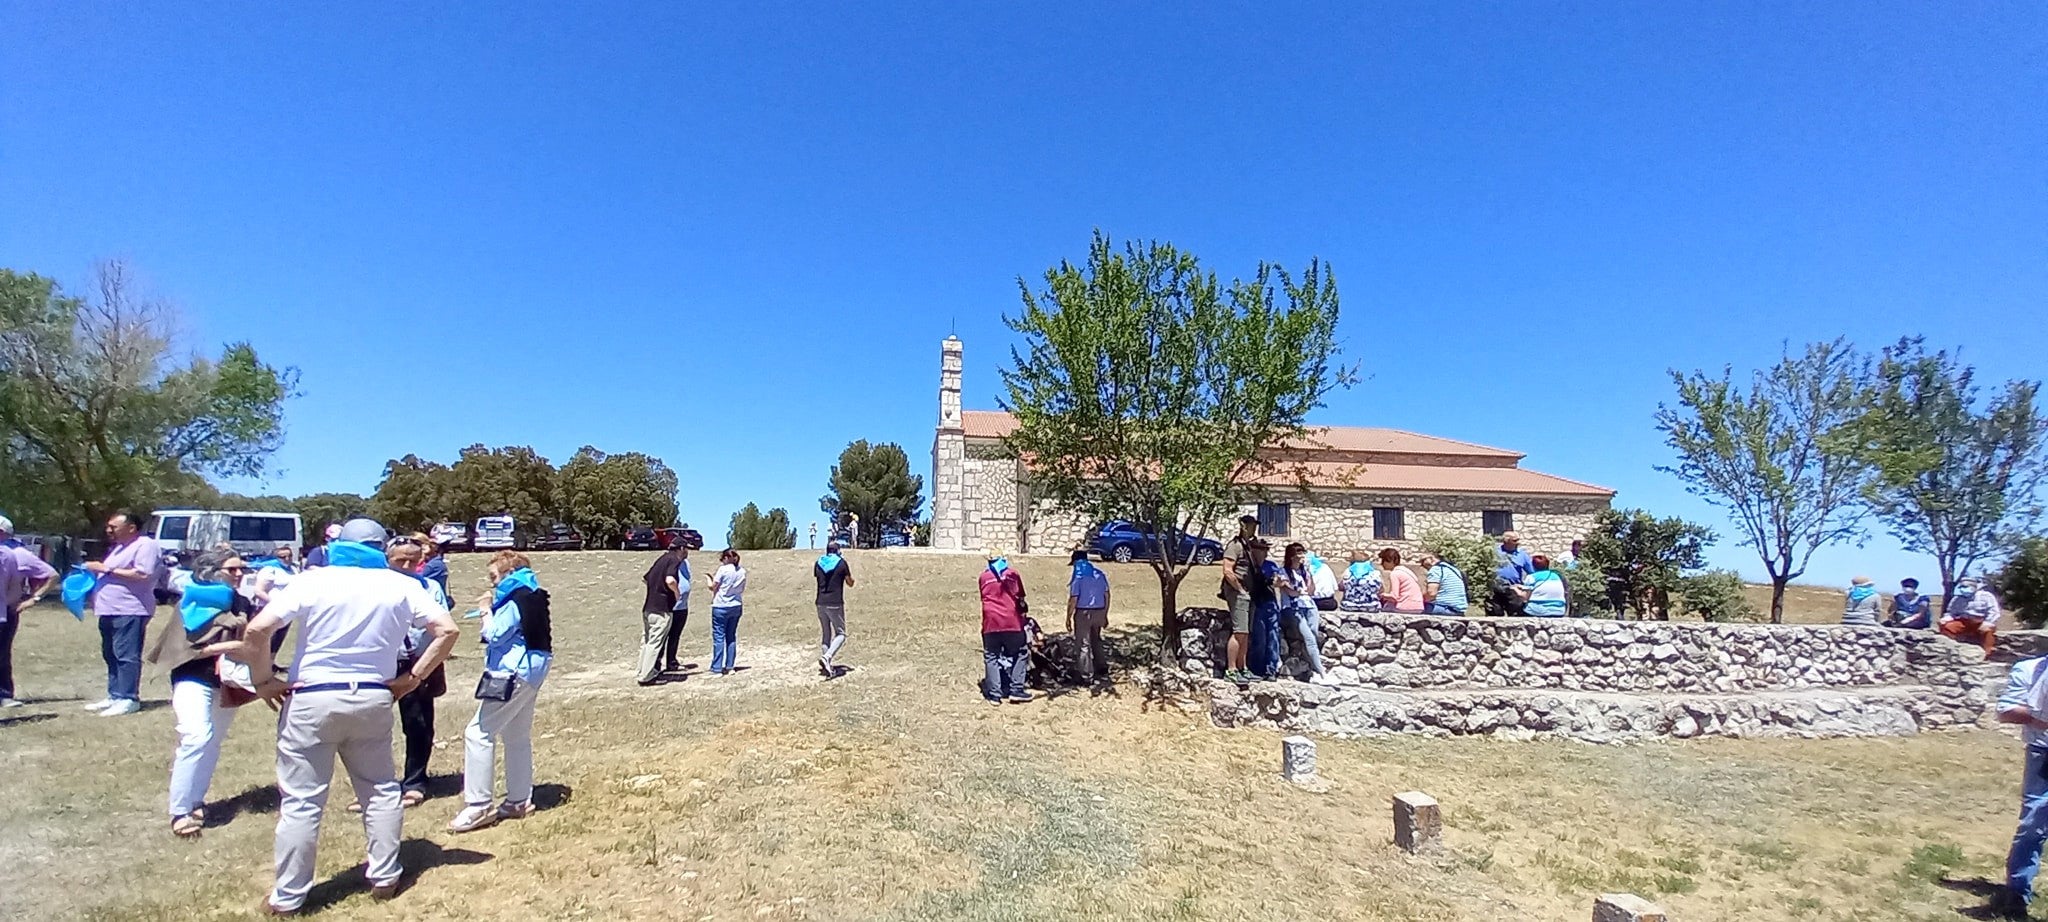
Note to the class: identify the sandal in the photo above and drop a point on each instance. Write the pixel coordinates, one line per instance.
(189, 825)
(411, 799)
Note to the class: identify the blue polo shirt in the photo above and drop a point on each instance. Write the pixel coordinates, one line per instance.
(1089, 587)
(1512, 567)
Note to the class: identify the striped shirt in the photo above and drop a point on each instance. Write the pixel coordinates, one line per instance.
(1450, 586)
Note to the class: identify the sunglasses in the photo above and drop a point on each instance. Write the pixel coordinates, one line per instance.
(405, 542)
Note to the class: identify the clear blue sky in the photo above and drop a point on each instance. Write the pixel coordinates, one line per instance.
(733, 235)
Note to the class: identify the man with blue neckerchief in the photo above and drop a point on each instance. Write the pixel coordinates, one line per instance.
(1087, 615)
(833, 575)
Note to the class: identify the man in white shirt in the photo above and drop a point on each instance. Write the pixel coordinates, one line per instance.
(1972, 614)
(2025, 702)
(353, 617)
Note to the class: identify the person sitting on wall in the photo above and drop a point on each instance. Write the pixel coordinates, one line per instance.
(1976, 619)
(1910, 609)
(1861, 607)
(1401, 591)
(1512, 565)
(1361, 585)
(1543, 592)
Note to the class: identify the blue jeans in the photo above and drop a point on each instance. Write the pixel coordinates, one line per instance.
(725, 637)
(1264, 656)
(1439, 608)
(1005, 665)
(121, 647)
(2025, 859)
(1310, 623)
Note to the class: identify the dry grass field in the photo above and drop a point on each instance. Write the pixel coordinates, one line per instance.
(894, 792)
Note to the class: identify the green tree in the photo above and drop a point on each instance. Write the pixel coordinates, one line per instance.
(1716, 595)
(237, 501)
(753, 531)
(514, 481)
(318, 509)
(1958, 476)
(602, 495)
(98, 413)
(875, 483)
(1146, 390)
(1644, 554)
(414, 495)
(2022, 584)
(1775, 456)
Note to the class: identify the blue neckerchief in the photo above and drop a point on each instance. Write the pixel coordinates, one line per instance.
(513, 581)
(829, 562)
(998, 565)
(202, 602)
(1083, 568)
(1358, 570)
(356, 554)
(1859, 593)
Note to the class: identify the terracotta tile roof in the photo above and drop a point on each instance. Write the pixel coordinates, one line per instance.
(1474, 468)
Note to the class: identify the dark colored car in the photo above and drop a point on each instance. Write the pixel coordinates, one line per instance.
(559, 538)
(687, 537)
(1124, 542)
(646, 539)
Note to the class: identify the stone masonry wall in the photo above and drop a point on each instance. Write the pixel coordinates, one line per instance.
(1600, 680)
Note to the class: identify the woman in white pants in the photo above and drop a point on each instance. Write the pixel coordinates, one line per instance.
(209, 611)
(518, 647)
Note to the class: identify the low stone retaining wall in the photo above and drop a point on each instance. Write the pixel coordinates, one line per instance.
(1598, 680)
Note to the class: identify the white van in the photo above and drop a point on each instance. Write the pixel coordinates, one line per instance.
(496, 533)
(185, 532)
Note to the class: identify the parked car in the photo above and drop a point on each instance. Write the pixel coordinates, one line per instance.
(687, 537)
(645, 539)
(497, 533)
(559, 538)
(1124, 542)
(451, 536)
(185, 532)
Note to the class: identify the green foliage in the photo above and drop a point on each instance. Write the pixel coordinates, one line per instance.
(414, 495)
(875, 483)
(97, 412)
(2022, 585)
(1933, 862)
(603, 495)
(513, 480)
(1146, 390)
(753, 531)
(1716, 595)
(318, 509)
(1778, 456)
(1957, 475)
(1473, 555)
(237, 501)
(1647, 555)
(921, 534)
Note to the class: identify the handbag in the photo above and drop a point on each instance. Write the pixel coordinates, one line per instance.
(495, 686)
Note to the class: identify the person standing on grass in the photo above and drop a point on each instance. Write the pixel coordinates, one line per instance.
(210, 611)
(1298, 599)
(1910, 609)
(317, 557)
(24, 577)
(2025, 703)
(353, 616)
(124, 601)
(728, 592)
(679, 615)
(518, 638)
(833, 575)
(436, 566)
(1087, 615)
(1005, 650)
(1236, 596)
(1401, 592)
(409, 555)
(658, 613)
(1264, 587)
(1361, 585)
(1443, 587)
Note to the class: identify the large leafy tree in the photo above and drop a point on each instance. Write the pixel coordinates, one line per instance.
(98, 411)
(875, 483)
(514, 481)
(753, 530)
(1641, 555)
(414, 495)
(602, 495)
(1776, 456)
(1958, 475)
(317, 509)
(1147, 390)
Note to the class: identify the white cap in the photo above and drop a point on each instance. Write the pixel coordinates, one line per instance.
(6, 525)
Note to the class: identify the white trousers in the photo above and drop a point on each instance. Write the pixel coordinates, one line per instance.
(500, 727)
(312, 730)
(202, 728)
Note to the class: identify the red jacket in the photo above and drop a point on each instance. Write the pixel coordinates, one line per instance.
(1001, 595)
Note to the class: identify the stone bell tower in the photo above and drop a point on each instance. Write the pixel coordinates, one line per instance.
(949, 456)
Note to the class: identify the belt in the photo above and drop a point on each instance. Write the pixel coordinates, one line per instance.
(340, 686)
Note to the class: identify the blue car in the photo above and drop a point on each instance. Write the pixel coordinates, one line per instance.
(1124, 542)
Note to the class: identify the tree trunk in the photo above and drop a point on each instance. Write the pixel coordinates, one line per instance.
(1778, 598)
(1169, 622)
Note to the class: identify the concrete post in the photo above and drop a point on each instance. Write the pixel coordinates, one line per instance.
(1418, 822)
(1625, 907)
(1298, 759)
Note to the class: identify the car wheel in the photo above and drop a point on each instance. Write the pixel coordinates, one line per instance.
(1122, 553)
(1204, 556)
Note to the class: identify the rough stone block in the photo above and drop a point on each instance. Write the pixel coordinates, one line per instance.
(1418, 822)
(1625, 907)
(1298, 759)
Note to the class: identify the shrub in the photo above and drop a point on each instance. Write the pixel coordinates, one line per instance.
(1716, 595)
(2023, 585)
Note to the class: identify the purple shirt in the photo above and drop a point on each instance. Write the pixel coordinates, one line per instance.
(20, 569)
(130, 598)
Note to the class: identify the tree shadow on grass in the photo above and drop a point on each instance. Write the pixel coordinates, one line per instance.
(416, 855)
(25, 719)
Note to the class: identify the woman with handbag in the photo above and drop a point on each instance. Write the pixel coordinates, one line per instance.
(518, 647)
(210, 612)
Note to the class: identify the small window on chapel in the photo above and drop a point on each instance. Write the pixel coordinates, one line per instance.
(1276, 519)
(1497, 521)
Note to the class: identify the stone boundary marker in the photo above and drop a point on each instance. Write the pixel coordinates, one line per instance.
(1298, 760)
(1625, 907)
(1419, 823)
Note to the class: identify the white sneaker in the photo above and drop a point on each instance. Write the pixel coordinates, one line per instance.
(472, 819)
(101, 704)
(122, 707)
(12, 703)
